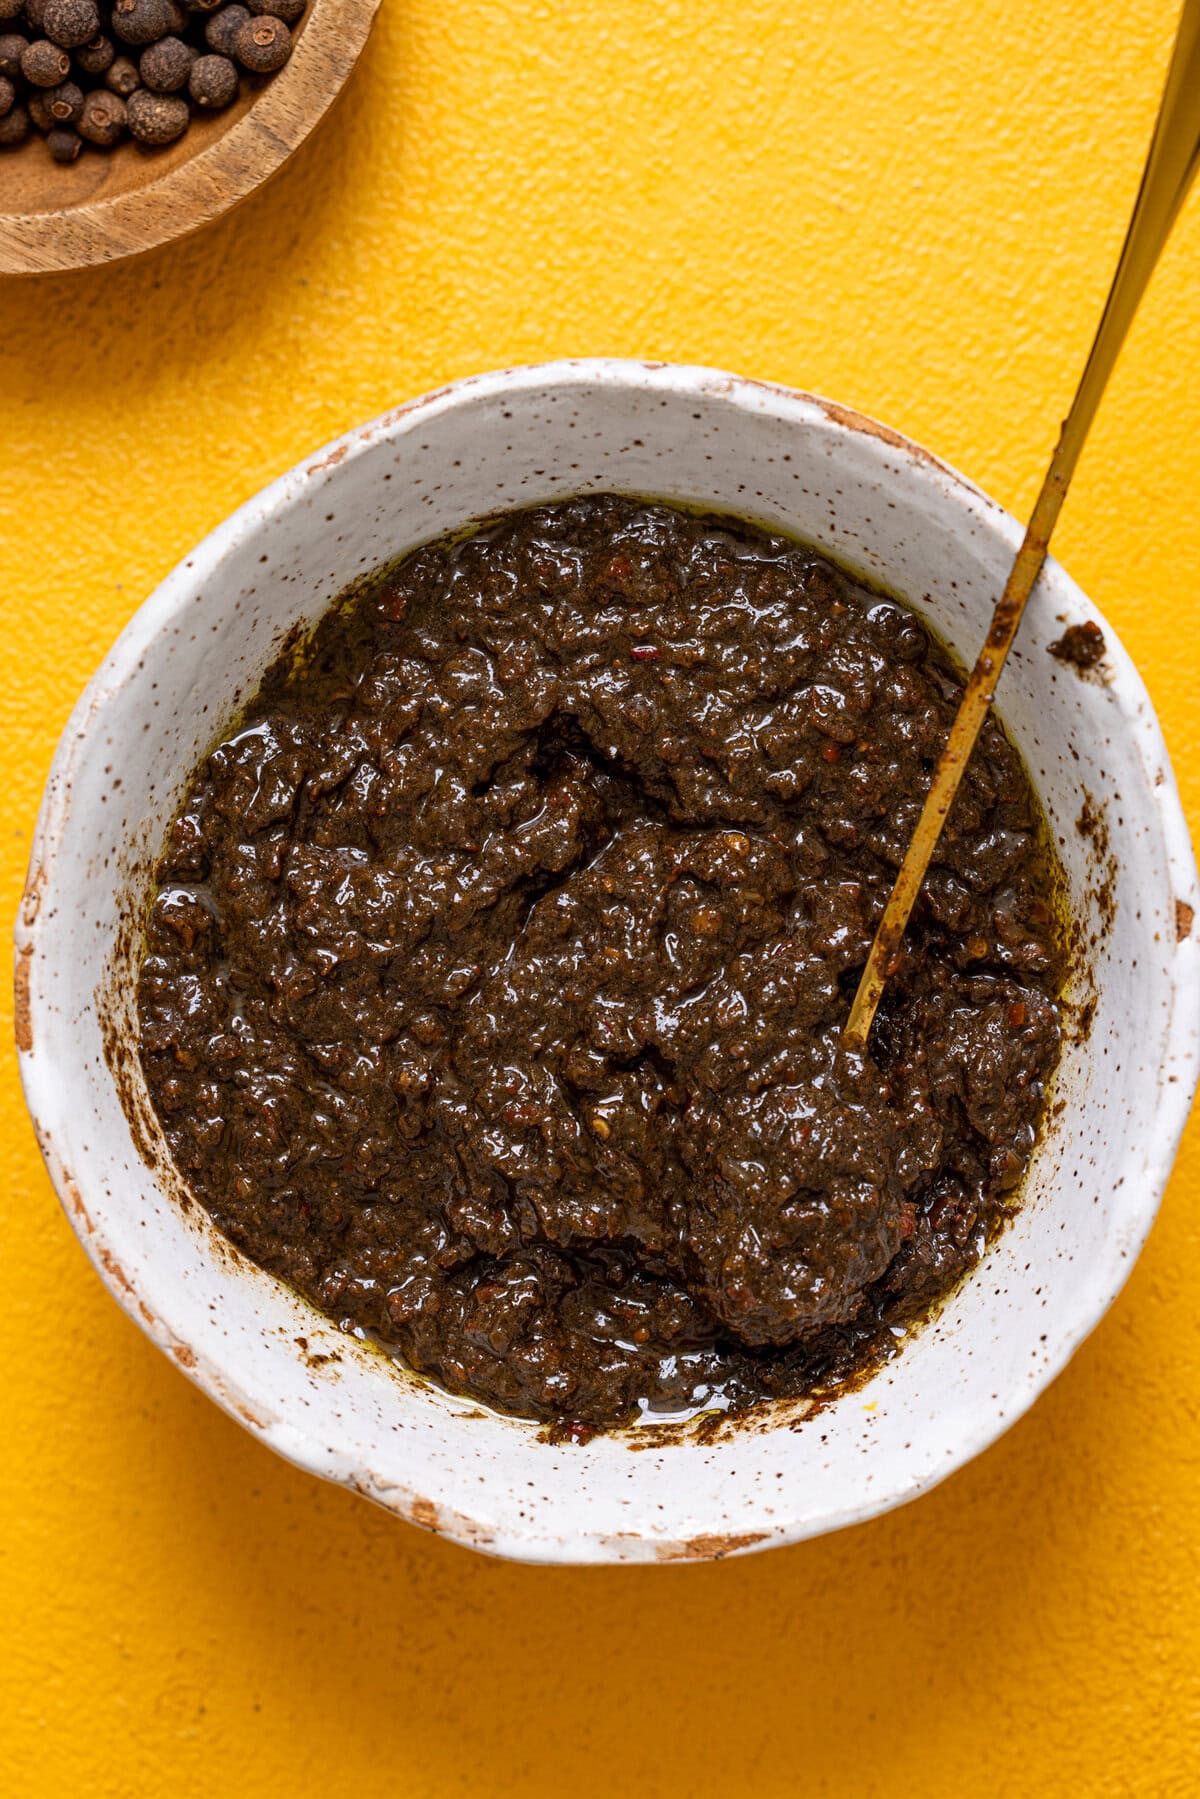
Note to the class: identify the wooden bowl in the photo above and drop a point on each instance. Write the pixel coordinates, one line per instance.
(114, 203)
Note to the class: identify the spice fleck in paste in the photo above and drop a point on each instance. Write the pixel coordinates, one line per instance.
(495, 973)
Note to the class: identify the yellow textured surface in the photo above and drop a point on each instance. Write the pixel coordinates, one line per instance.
(914, 207)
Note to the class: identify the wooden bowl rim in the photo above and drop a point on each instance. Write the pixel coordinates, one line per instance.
(225, 172)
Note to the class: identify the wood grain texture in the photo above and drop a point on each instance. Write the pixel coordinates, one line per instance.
(112, 204)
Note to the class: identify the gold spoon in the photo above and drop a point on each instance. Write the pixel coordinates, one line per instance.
(1170, 166)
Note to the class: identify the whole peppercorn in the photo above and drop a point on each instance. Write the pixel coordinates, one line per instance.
(65, 104)
(8, 95)
(71, 22)
(263, 45)
(156, 118)
(223, 27)
(145, 21)
(165, 66)
(290, 11)
(122, 77)
(64, 143)
(213, 82)
(14, 126)
(103, 118)
(96, 57)
(45, 64)
(35, 12)
(38, 102)
(12, 49)
(194, 6)
(11, 9)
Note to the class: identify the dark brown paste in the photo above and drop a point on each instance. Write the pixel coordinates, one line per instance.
(1083, 645)
(494, 979)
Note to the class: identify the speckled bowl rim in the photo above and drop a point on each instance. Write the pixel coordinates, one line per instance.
(49, 1103)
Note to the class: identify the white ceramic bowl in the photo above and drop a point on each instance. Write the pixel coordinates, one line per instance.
(866, 496)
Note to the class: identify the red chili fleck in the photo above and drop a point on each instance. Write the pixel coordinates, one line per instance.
(831, 753)
(1016, 1014)
(645, 652)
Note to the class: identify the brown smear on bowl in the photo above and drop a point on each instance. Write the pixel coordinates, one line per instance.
(712, 1547)
(22, 1020)
(1082, 646)
(499, 959)
(117, 1012)
(1092, 824)
(859, 422)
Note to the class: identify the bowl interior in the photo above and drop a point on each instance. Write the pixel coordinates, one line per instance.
(1093, 749)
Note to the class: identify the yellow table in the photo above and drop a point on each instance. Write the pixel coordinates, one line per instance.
(914, 206)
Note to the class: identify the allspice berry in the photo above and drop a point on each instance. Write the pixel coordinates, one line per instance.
(122, 77)
(145, 21)
(263, 44)
(64, 144)
(156, 118)
(290, 11)
(71, 22)
(65, 103)
(14, 126)
(96, 57)
(92, 71)
(12, 49)
(213, 82)
(223, 27)
(103, 118)
(165, 66)
(45, 64)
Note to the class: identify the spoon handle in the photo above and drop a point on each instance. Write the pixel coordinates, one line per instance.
(1170, 166)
